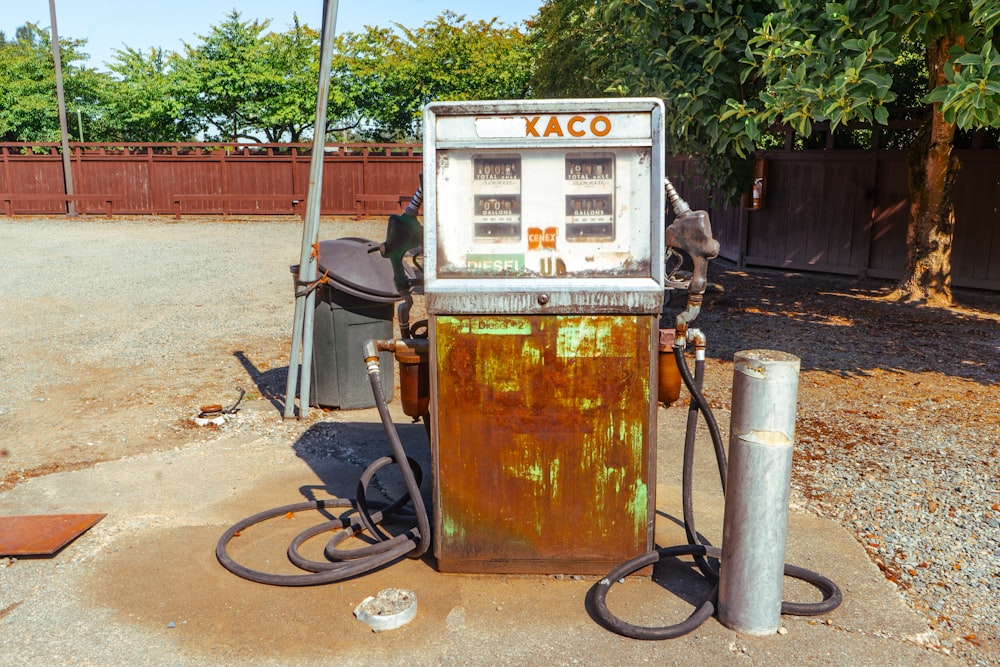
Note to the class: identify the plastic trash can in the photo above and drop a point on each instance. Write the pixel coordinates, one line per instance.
(355, 306)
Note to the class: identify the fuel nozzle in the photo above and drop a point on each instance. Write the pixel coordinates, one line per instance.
(691, 231)
(402, 234)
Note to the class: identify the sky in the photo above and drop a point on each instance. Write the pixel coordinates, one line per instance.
(110, 24)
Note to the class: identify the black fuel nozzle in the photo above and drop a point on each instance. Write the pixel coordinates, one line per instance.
(691, 231)
(402, 234)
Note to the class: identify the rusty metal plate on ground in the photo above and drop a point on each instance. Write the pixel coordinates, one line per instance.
(543, 451)
(42, 534)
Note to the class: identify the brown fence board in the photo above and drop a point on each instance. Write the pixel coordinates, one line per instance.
(976, 251)
(147, 177)
(890, 213)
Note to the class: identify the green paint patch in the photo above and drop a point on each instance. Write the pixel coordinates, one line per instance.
(501, 263)
(451, 530)
(638, 507)
(590, 337)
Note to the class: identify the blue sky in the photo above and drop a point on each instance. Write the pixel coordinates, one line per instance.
(109, 24)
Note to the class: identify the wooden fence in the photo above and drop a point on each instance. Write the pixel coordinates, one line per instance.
(839, 211)
(240, 179)
(846, 211)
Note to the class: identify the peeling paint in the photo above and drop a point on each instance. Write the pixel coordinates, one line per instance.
(768, 438)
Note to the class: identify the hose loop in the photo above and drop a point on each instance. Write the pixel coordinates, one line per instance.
(357, 520)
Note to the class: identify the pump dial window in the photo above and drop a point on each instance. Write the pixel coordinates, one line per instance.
(496, 200)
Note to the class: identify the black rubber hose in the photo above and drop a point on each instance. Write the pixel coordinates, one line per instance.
(597, 596)
(713, 426)
(346, 563)
(687, 469)
(399, 454)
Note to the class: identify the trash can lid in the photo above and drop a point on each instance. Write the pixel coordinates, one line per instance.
(356, 267)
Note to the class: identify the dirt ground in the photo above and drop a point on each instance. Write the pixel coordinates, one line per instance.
(870, 367)
(880, 380)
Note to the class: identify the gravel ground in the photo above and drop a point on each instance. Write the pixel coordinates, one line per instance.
(115, 331)
(898, 430)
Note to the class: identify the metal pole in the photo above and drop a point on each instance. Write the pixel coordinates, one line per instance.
(61, 99)
(304, 306)
(761, 433)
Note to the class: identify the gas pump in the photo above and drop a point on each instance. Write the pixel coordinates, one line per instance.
(544, 285)
(543, 273)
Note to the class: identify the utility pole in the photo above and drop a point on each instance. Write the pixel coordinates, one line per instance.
(67, 166)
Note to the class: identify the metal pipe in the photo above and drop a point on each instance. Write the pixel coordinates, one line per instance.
(302, 328)
(761, 433)
(61, 102)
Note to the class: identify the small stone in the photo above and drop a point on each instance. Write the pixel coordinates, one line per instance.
(782, 630)
(172, 624)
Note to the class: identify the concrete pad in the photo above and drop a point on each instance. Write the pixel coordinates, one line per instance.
(144, 587)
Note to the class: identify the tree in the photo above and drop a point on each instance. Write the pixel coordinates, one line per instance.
(142, 101)
(393, 72)
(569, 55)
(222, 81)
(28, 107)
(288, 108)
(832, 63)
(728, 70)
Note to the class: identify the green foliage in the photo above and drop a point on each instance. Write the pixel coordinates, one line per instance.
(835, 63)
(141, 99)
(689, 53)
(221, 82)
(242, 81)
(291, 66)
(28, 106)
(971, 98)
(393, 72)
(728, 70)
(571, 58)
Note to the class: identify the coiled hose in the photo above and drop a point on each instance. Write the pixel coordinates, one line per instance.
(344, 564)
(597, 596)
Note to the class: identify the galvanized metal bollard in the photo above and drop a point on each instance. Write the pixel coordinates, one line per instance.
(761, 434)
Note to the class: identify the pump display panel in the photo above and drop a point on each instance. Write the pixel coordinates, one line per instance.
(551, 206)
(543, 213)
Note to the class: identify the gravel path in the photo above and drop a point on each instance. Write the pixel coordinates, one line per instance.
(115, 331)
(898, 430)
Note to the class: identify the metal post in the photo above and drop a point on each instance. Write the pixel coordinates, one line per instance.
(304, 313)
(761, 434)
(61, 101)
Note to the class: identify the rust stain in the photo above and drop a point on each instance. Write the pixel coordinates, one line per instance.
(543, 447)
(9, 608)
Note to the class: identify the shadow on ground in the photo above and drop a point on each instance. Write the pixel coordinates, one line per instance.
(845, 326)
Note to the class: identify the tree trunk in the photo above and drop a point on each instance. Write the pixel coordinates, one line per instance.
(932, 169)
